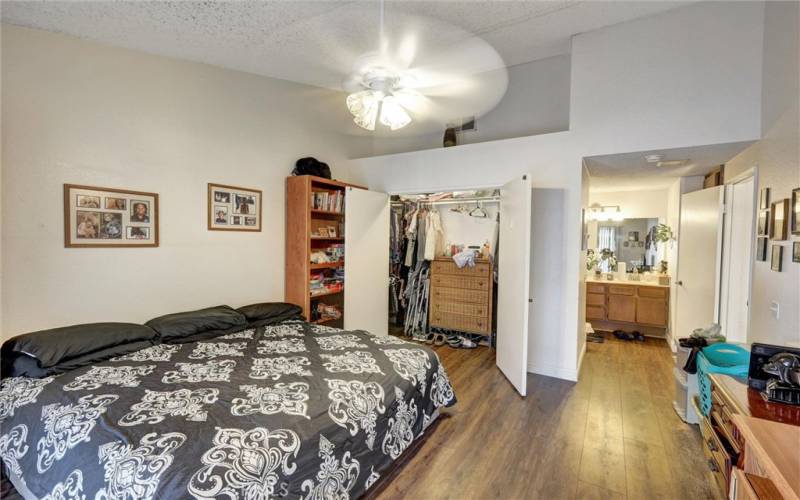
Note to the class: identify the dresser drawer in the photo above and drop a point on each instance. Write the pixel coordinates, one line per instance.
(465, 308)
(595, 288)
(714, 445)
(480, 269)
(715, 470)
(595, 312)
(460, 322)
(651, 291)
(621, 290)
(469, 283)
(440, 294)
(595, 299)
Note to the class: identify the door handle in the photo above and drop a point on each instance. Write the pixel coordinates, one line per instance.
(679, 283)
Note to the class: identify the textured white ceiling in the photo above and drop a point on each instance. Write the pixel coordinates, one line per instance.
(630, 171)
(316, 42)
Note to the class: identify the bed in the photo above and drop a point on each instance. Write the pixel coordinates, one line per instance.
(287, 409)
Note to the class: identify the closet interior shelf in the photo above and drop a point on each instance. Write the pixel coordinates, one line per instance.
(323, 294)
(325, 320)
(329, 212)
(329, 238)
(451, 201)
(327, 265)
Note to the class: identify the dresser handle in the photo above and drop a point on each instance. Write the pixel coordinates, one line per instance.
(711, 445)
(713, 465)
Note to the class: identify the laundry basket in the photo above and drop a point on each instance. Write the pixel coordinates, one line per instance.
(729, 359)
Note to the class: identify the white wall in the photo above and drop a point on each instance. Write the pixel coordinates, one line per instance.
(549, 261)
(777, 157)
(687, 77)
(536, 102)
(79, 112)
(621, 101)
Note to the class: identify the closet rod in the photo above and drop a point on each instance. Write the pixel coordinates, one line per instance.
(451, 201)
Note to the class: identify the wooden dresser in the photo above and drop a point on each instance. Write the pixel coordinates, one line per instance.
(750, 444)
(461, 299)
(619, 305)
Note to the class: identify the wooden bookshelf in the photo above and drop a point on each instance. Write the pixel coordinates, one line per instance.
(301, 221)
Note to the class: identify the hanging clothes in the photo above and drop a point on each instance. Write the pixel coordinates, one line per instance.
(434, 236)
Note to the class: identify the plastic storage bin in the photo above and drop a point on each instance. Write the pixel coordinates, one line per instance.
(729, 359)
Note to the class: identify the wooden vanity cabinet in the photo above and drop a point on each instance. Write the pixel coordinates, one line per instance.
(627, 303)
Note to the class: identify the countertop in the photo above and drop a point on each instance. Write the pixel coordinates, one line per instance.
(592, 279)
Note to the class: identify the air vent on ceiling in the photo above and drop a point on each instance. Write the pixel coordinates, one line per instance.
(672, 163)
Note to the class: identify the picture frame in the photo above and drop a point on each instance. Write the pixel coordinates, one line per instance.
(796, 251)
(763, 199)
(332, 231)
(794, 209)
(777, 258)
(100, 217)
(761, 248)
(233, 208)
(322, 232)
(779, 220)
(763, 223)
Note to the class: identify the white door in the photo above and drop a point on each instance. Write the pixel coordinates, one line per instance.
(366, 261)
(699, 248)
(513, 281)
(737, 259)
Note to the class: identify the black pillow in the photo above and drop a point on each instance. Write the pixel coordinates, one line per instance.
(22, 365)
(178, 326)
(270, 313)
(47, 349)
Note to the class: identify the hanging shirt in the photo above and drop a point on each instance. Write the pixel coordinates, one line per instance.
(434, 236)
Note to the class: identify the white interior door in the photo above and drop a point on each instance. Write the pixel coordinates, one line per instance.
(513, 281)
(366, 261)
(737, 259)
(699, 249)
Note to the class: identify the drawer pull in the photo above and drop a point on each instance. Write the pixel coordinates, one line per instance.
(711, 445)
(712, 465)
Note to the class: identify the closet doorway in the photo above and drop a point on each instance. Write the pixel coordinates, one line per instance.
(460, 271)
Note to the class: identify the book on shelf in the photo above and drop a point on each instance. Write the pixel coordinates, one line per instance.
(328, 201)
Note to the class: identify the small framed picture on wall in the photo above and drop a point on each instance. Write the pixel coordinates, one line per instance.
(232, 208)
(779, 220)
(108, 217)
(763, 199)
(795, 212)
(796, 251)
(763, 223)
(777, 258)
(761, 248)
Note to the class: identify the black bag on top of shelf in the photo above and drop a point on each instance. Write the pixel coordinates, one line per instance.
(311, 166)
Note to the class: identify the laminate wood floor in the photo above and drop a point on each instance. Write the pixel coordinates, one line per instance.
(612, 435)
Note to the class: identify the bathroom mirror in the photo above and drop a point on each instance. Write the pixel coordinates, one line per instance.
(631, 240)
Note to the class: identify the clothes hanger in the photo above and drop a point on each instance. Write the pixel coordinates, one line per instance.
(478, 212)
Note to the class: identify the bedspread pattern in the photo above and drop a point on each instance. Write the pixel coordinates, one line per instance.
(291, 410)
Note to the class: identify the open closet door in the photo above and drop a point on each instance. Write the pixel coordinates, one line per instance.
(366, 261)
(699, 262)
(513, 282)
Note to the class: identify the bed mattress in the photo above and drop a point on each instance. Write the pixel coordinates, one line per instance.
(288, 410)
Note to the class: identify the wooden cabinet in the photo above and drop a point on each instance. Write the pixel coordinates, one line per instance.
(628, 303)
(461, 299)
(308, 229)
(622, 308)
(750, 444)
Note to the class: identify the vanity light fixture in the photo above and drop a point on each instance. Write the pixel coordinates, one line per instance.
(605, 212)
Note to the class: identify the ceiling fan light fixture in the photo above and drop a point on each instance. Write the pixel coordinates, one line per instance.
(364, 107)
(392, 114)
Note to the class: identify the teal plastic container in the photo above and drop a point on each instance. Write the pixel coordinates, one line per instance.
(728, 359)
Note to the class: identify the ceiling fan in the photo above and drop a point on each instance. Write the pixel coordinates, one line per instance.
(425, 71)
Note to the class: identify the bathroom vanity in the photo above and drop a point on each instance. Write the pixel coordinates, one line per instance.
(627, 305)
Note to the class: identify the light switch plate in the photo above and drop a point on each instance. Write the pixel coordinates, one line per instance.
(775, 308)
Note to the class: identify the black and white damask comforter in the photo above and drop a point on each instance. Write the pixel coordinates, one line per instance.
(291, 410)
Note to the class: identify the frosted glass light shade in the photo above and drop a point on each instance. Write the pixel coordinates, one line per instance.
(364, 107)
(393, 115)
